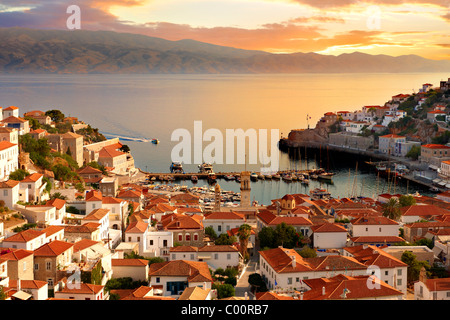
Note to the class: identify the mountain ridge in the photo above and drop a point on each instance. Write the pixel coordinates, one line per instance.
(80, 51)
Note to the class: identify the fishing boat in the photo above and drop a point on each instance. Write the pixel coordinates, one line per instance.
(261, 176)
(205, 167)
(194, 179)
(229, 177)
(176, 167)
(287, 177)
(254, 176)
(267, 176)
(155, 141)
(320, 194)
(305, 181)
(276, 176)
(326, 175)
(294, 177)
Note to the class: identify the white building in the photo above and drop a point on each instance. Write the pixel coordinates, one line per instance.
(373, 226)
(9, 158)
(387, 143)
(329, 236)
(216, 256)
(221, 222)
(9, 192)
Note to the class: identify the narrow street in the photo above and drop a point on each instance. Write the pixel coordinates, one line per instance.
(242, 285)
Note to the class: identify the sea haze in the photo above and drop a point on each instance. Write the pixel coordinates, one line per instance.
(153, 106)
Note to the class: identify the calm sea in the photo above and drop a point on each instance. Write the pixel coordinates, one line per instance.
(154, 106)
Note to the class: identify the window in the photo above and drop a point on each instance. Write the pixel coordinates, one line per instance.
(180, 237)
(195, 237)
(24, 266)
(228, 256)
(188, 237)
(216, 256)
(289, 281)
(297, 279)
(192, 256)
(139, 239)
(219, 228)
(151, 242)
(129, 239)
(50, 282)
(399, 272)
(36, 266)
(386, 273)
(174, 256)
(379, 229)
(399, 282)
(5, 193)
(158, 280)
(165, 243)
(48, 265)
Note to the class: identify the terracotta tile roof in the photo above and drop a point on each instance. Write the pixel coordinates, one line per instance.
(9, 184)
(12, 119)
(83, 244)
(423, 210)
(218, 248)
(271, 219)
(435, 146)
(328, 227)
(109, 152)
(441, 284)
(377, 239)
(52, 230)
(89, 170)
(112, 200)
(57, 203)
(16, 254)
(24, 236)
(84, 288)
(141, 293)
(280, 259)
(129, 262)
(183, 249)
(176, 221)
(94, 195)
(27, 284)
(193, 270)
(71, 135)
(271, 296)
(224, 216)
(137, 227)
(97, 214)
(6, 145)
(34, 177)
(161, 208)
(392, 136)
(235, 232)
(335, 262)
(373, 220)
(372, 255)
(194, 293)
(129, 194)
(85, 228)
(54, 248)
(356, 288)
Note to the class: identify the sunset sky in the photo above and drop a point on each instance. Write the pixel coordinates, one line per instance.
(393, 27)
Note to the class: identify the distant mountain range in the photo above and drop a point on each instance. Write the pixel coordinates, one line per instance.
(104, 52)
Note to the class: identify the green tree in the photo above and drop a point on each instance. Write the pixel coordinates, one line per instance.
(211, 233)
(257, 283)
(244, 233)
(391, 209)
(406, 200)
(18, 174)
(414, 266)
(225, 239)
(55, 115)
(225, 291)
(414, 153)
(307, 252)
(266, 237)
(125, 148)
(286, 236)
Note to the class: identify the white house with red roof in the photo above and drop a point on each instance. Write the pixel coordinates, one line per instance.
(9, 192)
(216, 256)
(29, 239)
(433, 154)
(22, 125)
(329, 236)
(80, 291)
(302, 225)
(137, 231)
(383, 265)
(421, 211)
(431, 289)
(221, 222)
(137, 269)
(100, 216)
(373, 226)
(112, 158)
(35, 186)
(11, 111)
(283, 268)
(9, 158)
(344, 287)
(388, 142)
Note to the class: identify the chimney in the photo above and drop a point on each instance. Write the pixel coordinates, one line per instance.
(18, 285)
(323, 291)
(246, 296)
(294, 262)
(204, 285)
(301, 295)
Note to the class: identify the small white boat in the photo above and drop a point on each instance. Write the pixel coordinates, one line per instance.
(155, 141)
(254, 176)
